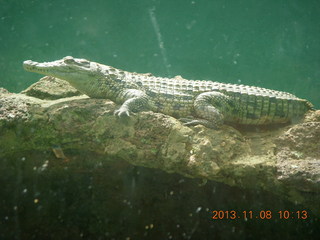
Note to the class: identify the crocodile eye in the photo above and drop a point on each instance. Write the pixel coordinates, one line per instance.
(83, 63)
(69, 60)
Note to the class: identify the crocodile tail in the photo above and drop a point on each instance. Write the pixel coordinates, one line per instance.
(309, 105)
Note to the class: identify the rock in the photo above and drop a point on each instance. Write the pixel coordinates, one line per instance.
(51, 116)
(51, 88)
(4, 91)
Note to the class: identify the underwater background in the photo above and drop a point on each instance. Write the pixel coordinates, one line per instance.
(267, 43)
(273, 44)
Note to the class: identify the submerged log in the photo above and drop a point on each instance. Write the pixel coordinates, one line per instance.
(52, 117)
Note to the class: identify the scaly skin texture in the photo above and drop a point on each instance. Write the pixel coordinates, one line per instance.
(211, 103)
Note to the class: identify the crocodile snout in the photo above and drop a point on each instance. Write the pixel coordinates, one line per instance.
(29, 62)
(30, 65)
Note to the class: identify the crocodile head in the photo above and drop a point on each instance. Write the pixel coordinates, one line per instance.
(73, 70)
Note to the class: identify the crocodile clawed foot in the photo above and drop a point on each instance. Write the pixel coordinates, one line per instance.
(186, 120)
(122, 112)
(194, 122)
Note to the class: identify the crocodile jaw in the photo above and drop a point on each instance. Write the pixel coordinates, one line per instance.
(69, 68)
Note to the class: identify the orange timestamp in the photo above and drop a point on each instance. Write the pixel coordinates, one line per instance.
(263, 214)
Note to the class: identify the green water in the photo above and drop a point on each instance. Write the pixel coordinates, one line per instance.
(273, 44)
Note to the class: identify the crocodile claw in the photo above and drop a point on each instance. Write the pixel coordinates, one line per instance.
(122, 112)
(194, 122)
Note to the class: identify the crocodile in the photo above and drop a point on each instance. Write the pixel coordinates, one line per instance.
(207, 102)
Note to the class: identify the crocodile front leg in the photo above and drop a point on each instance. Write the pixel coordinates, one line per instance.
(209, 106)
(135, 101)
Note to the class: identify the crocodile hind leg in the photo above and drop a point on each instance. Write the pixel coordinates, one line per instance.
(135, 101)
(210, 107)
